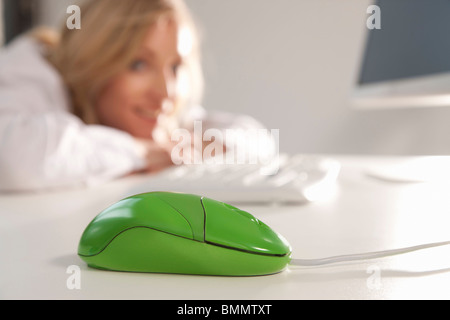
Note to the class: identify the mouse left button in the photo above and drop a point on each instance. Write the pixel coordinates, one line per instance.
(145, 210)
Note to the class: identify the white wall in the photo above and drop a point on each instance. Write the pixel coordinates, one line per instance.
(291, 64)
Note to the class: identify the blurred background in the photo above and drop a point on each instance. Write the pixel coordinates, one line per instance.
(292, 64)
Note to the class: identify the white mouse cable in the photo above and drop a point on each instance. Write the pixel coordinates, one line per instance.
(363, 256)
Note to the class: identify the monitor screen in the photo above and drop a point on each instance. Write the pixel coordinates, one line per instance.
(412, 45)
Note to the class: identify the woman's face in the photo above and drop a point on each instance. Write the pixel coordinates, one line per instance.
(135, 99)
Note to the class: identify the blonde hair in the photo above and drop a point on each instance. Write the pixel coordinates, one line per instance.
(111, 33)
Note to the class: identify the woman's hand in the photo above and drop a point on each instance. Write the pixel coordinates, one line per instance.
(157, 155)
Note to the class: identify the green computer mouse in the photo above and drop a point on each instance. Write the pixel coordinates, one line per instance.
(165, 232)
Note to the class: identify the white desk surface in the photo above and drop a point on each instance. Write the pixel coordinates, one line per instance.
(39, 235)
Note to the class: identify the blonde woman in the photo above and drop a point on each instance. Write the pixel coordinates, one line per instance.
(85, 106)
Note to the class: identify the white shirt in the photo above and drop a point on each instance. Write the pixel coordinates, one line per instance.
(43, 145)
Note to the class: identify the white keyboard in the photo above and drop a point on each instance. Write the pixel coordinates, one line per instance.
(300, 179)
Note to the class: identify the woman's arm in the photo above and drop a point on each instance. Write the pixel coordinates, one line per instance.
(55, 149)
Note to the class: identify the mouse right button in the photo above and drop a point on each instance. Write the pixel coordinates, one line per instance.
(234, 228)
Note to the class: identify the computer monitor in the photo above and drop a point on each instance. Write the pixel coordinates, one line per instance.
(406, 63)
